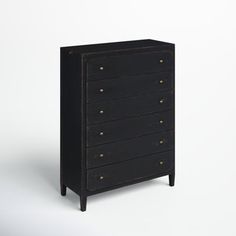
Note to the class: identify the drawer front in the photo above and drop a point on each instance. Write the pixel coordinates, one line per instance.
(129, 128)
(128, 149)
(135, 106)
(128, 86)
(102, 67)
(131, 170)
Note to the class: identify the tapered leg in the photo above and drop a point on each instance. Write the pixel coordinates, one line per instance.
(63, 190)
(172, 179)
(83, 203)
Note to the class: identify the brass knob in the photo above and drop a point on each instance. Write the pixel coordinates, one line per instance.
(101, 133)
(101, 68)
(101, 155)
(101, 90)
(161, 81)
(161, 121)
(161, 141)
(161, 162)
(101, 177)
(101, 111)
(161, 60)
(161, 100)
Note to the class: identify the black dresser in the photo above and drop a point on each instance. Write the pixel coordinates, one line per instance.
(117, 115)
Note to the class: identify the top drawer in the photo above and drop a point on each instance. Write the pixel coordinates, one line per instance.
(99, 68)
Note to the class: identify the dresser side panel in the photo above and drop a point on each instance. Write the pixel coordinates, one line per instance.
(174, 83)
(71, 120)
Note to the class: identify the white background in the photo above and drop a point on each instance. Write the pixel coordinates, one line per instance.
(203, 200)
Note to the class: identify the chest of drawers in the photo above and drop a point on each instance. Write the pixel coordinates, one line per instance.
(117, 115)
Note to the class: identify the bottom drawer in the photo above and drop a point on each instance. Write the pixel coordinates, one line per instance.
(116, 174)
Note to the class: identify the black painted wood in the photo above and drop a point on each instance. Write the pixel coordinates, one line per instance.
(63, 190)
(135, 63)
(129, 148)
(129, 107)
(111, 175)
(128, 86)
(117, 115)
(83, 202)
(172, 179)
(129, 128)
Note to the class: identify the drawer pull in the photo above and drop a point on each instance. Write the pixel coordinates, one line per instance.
(101, 133)
(101, 155)
(161, 162)
(161, 121)
(101, 111)
(101, 90)
(161, 100)
(161, 60)
(161, 141)
(101, 177)
(161, 81)
(101, 68)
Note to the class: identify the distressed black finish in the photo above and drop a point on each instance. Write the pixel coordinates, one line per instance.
(117, 115)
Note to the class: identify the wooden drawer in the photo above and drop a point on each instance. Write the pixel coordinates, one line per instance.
(130, 107)
(131, 170)
(128, 86)
(128, 149)
(129, 128)
(106, 66)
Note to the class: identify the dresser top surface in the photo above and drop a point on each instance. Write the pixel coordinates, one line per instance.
(93, 48)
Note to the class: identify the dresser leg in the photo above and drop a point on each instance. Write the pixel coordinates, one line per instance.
(172, 179)
(83, 203)
(63, 190)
